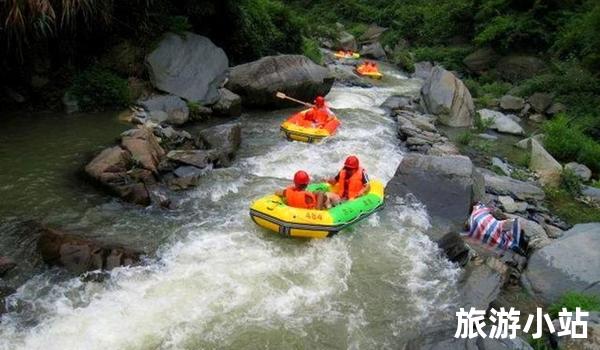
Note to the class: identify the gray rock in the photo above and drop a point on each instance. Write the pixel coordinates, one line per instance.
(446, 186)
(512, 103)
(374, 50)
(176, 110)
(525, 111)
(534, 231)
(504, 185)
(556, 108)
(225, 138)
(482, 283)
(582, 171)
(397, 102)
(372, 34)
(540, 101)
(592, 192)
(423, 70)
(229, 104)
(295, 75)
(501, 122)
(567, 264)
(447, 96)
(198, 158)
(525, 143)
(186, 176)
(481, 60)
(537, 118)
(70, 103)
(590, 342)
(544, 165)
(501, 165)
(346, 41)
(507, 203)
(518, 67)
(488, 137)
(6, 264)
(189, 66)
(553, 231)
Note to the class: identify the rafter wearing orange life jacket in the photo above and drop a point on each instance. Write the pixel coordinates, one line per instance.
(351, 180)
(320, 114)
(296, 195)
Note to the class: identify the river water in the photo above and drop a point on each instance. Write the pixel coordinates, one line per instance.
(217, 280)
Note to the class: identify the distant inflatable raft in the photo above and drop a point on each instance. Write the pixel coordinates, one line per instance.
(296, 132)
(354, 55)
(272, 213)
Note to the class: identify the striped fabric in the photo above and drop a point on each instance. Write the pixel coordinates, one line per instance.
(487, 229)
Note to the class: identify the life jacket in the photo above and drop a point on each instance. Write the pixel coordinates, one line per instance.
(320, 116)
(354, 183)
(300, 198)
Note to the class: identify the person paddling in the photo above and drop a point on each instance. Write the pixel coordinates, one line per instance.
(320, 114)
(352, 181)
(297, 196)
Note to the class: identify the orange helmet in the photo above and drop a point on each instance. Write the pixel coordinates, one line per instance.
(319, 101)
(301, 178)
(351, 162)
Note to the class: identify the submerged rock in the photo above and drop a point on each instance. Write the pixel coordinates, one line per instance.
(78, 254)
(295, 75)
(567, 264)
(446, 186)
(189, 66)
(445, 95)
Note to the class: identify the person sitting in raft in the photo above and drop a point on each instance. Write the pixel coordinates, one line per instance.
(320, 114)
(501, 234)
(352, 181)
(297, 196)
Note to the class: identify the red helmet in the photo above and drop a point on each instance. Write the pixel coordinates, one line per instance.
(301, 178)
(319, 101)
(351, 162)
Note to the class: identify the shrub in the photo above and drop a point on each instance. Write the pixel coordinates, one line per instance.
(572, 300)
(474, 87)
(98, 89)
(568, 208)
(496, 89)
(570, 182)
(178, 24)
(449, 57)
(566, 141)
(465, 138)
(310, 49)
(404, 60)
(481, 124)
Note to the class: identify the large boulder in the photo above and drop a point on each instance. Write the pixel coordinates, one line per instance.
(481, 60)
(511, 103)
(372, 34)
(295, 75)
(229, 104)
(582, 171)
(544, 165)
(346, 41)
(445, 95)
(374, 50)
(78, 254)
(567, 264)
(504, 185)
(6, 264)
(518, 67)
(225, 139)
(423, 70)
(501, 122)
(540, 101)
(446, 185)
(166, 108)
(189, 66)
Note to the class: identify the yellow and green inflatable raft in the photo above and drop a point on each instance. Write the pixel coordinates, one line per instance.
(273, 214)
(293, 131)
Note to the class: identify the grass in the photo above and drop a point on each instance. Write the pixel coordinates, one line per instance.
(567, 141)
(481, 124)
(310, 49)
(563, 204)
(465, 138)
(519, 174)
(572, 300)
(570, 182)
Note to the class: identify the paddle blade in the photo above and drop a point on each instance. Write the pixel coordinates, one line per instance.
(280, 94)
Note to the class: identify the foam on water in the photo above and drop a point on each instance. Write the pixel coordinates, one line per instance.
(221, 282)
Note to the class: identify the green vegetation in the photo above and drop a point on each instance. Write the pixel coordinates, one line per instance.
(567, 141)
(449, 57)
(403, 59)
(570, 182)
(310, 49)
(539, 344)
(97, 89)
(568, 208)
(465, 138)
(481, 124)
(572, 300)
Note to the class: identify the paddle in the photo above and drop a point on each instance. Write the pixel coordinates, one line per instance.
(284, 96)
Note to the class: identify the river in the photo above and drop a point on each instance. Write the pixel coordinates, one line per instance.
(216, 279)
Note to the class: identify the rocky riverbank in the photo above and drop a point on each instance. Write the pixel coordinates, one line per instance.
(447, 183)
